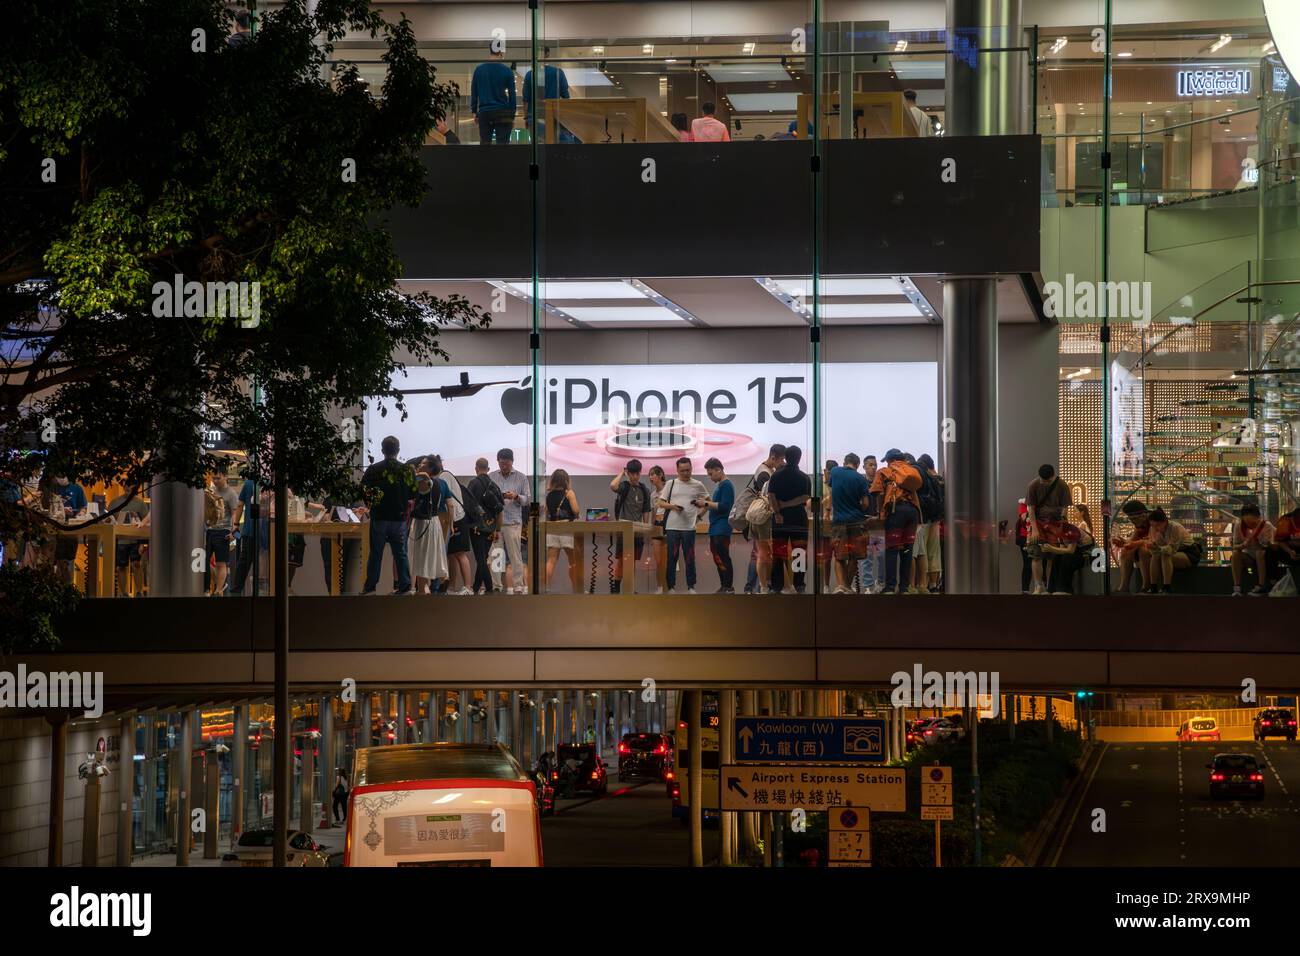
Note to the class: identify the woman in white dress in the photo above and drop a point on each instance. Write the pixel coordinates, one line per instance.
(561, 505)
(428, 547)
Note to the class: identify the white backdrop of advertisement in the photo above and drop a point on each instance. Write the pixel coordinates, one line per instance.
(595, 418)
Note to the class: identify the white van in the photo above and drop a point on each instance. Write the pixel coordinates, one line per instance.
(441, 804)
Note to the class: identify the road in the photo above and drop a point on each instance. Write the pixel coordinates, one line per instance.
(632, 826)
(1159, 811)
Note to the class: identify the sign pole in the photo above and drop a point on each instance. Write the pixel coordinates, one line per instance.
(938, 853)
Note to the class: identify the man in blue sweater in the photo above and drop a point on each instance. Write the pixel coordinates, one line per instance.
(492, 99)
(555, 86)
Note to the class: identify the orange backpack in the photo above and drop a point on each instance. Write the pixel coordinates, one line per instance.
(905, 476)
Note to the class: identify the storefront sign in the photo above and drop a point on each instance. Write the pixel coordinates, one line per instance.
(595, 418)
(1213, 82)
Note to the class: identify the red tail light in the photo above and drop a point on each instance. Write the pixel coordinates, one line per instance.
(1290, 723)
(1267, 723)
(595, 775)
(1216, 777)
(624, 749)
(671, 776)
(1256, 776)
(661, 749)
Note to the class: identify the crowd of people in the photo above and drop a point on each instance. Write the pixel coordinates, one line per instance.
(881, 519)
(884, 524)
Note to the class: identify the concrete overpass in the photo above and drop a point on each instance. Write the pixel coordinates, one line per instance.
(221, 649)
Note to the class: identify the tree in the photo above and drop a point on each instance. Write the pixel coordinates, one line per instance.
(140, 150)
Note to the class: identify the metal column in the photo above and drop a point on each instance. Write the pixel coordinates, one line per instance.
(185, 750)
(981, 96)
(726, 755)
(175, 534)
(696, 782)
(239, 756)
(327, 764)
(125, 790)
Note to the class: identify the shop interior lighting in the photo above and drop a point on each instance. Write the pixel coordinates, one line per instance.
(598, 50)
(1058, 46)
(749, 48)
(648, 49)
(564, 291)
(1269, 47)
(1218, 44)
(900, 46)
(1126, 53)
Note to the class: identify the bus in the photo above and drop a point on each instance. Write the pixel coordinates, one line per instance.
(441, 804)
(679, 782)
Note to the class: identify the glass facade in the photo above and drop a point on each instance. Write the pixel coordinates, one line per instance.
(698, 292)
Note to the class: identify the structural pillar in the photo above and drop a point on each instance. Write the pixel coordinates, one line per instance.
(982, 95)
(327, 765)
(211, 805)
(175, 535)
(126, 790)
(90, 823)
(306, 818)
(239, 756)
(185, 758)
(696, 781)
(726, 755)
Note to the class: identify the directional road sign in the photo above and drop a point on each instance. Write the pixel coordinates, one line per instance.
(810, 740)
(747, 787)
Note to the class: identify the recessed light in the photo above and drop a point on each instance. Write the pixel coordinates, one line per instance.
(749, 47)
(1126, 53)
(648, 49)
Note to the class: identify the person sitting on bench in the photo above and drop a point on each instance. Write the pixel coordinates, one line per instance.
(1171, 548)
(1251, 537)
(1132, 548)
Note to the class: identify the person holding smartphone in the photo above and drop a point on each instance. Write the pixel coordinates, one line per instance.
(680, 500)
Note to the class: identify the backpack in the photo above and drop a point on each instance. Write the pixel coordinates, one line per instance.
(907, 476)
(455, 500)
(931, 497)
(488, 497)
(469, 506)
(759, 510)
(214, 509)
(737, 516)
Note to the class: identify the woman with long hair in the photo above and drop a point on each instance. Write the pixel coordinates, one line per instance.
(461, 572)
(659, 543)
(428, 546)
(561, 505)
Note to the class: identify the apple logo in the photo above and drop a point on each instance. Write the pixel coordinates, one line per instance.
(517, 404)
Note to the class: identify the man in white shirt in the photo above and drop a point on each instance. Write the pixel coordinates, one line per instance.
(915, 115)
(681, 497)
(1251, 536)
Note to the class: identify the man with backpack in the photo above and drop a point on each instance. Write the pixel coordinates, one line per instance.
(631, 503)
(487, 498)
(897, 483)
(760, 533)
(927, 555)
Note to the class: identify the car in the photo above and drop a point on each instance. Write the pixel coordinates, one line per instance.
(644, 755)
(578, 767)
(256, 848)
(1235, 775)
(1198, 728)
(1275, 722)
(941, 730)
(916, 731)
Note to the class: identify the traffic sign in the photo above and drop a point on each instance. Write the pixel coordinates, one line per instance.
(810, 739)
(850, 818)
(850, 846)
(748, 787)
(847, 863)
(936, 794)
(936, 813)
(936, 774)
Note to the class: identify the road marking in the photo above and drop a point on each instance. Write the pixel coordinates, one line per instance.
(1269, 763)
(1056, 857)
(1134, 766)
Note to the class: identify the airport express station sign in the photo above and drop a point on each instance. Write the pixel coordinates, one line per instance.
(810, 740)
(746, 787)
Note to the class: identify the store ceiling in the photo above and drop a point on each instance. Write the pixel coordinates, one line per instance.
(710, 302)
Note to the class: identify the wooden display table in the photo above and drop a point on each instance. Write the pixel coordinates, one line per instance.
(99, 577)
